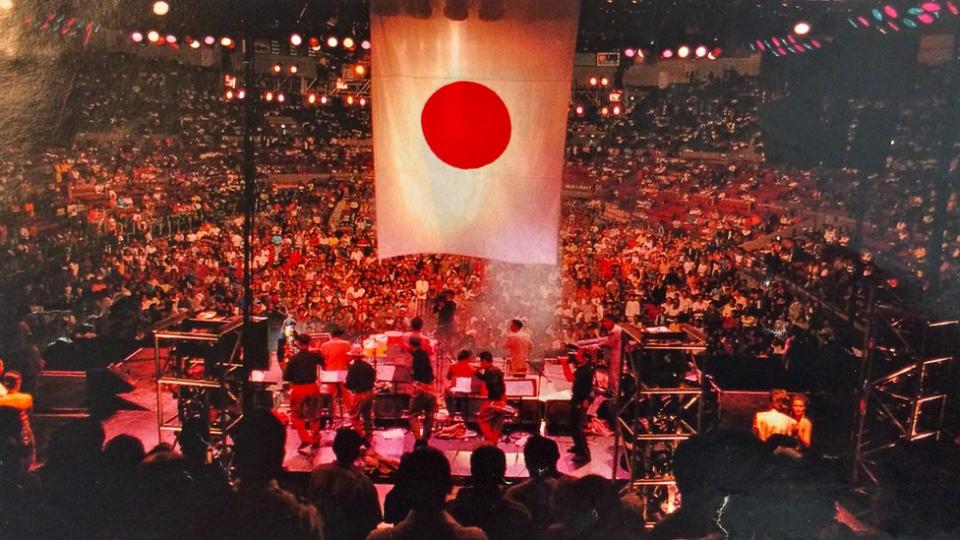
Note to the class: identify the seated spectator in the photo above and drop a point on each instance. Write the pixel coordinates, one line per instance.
(483, 503)
(344, 496)
(261, 508)
(426, 482)
(588, 508)
(773, 421)
(541, 455)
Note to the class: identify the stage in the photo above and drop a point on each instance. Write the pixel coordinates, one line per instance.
(139, 418)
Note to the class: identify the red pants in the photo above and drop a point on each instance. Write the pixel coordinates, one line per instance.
(304, 404)
(490, 419)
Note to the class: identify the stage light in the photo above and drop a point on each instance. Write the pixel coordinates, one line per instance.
(700, 51)
(136, 37)
(914, 11)
(153, 36)
(6, 5)
(629, 53)
(776, 41)
(579, 110)
(349, 100)
(853, 23)
(324, 100)
(209, 41)
(277, 68)
(365, 45)
(171, 38)
(332, 41)
(863, 21)
(363, 102)
(815, 43)
(293, 70)
(683, 51)
(348, 43)
(226, 42)
(716, 52)
(876, 14)
(930, 7)
(890, 11)
(194, 44)
(296, 40)
(802, 28)
(761, 46)
(360, 70)
(604, 111)
(593, 81)
(160, 42)
(228, 95)
(311, 99)
(791, 39)
(893, 26)
(616, 109)
(604, 81)
(314, 43)
(667, 53)
(241, 93)
(268, 96)
(909, 23)
(925, 18)
(281, 98)
(161, 8)
(953, 8)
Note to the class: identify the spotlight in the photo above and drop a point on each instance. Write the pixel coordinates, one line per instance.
(579, 110)
(268, 96)
(6, 5)
(281, 98)
(925, 18)
(349, 100)
(491, 10)
(293, 70)
(311, 99)
(332, 41)
(161, 8)
(153, 36)
(228, 95)
(667, 54)
(277, 68)
(136, 37)
(683, 51)
(953, 8)
(360, 70)
(296, 40)
(194, 44)
(604, 111)
(456, 10)
(171, 38)
(604, 81)
(209, 41)
(890, 11)
(930, 7)
(324, 100)
(363, 102)
(365, 45)
(226, 42)
(241, 93)
(710, 55)
(629, 53)
(616, 109)
(593, 81)
(314, 43)
(348, 43)
(802, 28)
(160, 42)
(700, 51)
(863, 21)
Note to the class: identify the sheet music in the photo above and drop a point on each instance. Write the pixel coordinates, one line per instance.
(464, 385)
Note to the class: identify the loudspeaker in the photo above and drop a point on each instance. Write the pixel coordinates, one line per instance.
(256, 353)
(557, 415)
(61, 392)
(388, 406)
(529, 412)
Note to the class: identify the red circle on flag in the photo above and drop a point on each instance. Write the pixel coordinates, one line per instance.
(466, 124)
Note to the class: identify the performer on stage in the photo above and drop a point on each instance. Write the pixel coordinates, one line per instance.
(494, 410)
(580, 398)
(424, 401)
(416, 331)
(336, 357)
(361, 378)
(519, 345)
(613, 343)
(462, 368)
(301, 373)
(445, 309)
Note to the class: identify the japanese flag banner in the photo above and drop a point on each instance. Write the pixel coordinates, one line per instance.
(470, 101)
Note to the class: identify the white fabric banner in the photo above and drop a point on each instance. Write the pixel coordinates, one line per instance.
(469, 123)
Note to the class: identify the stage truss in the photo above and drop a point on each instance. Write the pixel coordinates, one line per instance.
(664, 402)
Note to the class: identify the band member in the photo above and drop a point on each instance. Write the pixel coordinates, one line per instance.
(424, 401)
(301, 373)
(462, 368)
(416, 331)
(519, 345)
(446, 310)
(803, 429)
(336, 357)
(613, 343)
(580, 398)
(361, 378)
(773, 421)
(494, 410)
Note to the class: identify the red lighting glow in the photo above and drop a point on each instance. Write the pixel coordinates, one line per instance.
(930, 7)
(890, 11)
(953, 8)
(629, 53)
(925, 18)
(314, 43)
(667, 53)
(863, 21)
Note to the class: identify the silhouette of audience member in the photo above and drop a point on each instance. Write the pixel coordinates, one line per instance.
(425, 474)
(345, 498)
(541, 455)
(22, 514)
(483, 503)
(588, 508)
(261, 508)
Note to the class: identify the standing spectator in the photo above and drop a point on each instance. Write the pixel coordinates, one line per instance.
(345, 498)
(426, 482)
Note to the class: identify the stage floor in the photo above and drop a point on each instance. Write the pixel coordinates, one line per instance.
(140, 420)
